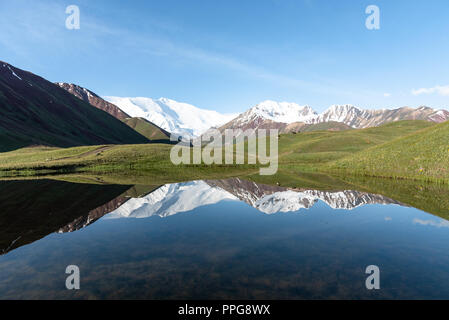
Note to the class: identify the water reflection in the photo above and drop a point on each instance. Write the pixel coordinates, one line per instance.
(221, 239)
(181, 197)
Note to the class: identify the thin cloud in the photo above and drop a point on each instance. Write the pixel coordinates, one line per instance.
(440, 90)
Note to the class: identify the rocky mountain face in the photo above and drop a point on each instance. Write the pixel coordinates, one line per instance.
(35, 111)
(291, 117)
(146, 128)
(94, 100)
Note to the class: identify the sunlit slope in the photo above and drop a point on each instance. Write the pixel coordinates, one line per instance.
(148, 129)
(422, 155)
(310, 151)
(317, 148)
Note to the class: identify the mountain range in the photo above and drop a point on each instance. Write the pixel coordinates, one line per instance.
(38, 112)
(288, 117)
(189, 121)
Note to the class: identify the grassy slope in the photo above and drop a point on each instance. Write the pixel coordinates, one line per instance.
(420, 155)
(149, 160)
(308, 152)
(327, 126)
(148, 129)
(315, 149)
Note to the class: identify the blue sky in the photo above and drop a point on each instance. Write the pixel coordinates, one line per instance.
(230, 55)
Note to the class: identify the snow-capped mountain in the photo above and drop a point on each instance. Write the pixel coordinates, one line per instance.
(360, 118)
(190, 122)
(271, 115)
(282, 115)
(171, 199)
(175, 117)
(286, 112)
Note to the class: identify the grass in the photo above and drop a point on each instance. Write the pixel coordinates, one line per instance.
(149, 160)
(314, 149)
(405, 149)
(422, 155)
(326, 126)
(148, 130)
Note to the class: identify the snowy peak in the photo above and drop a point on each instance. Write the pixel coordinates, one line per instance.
(342, 110)
(340, 113)
(176, 117)
(285, 112)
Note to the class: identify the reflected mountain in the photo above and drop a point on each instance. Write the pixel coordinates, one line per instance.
(171, 199)
(31, 210)
(272, 199)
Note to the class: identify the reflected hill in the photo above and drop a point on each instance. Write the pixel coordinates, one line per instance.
(30, 210)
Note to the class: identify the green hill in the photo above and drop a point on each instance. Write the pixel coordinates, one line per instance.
(35, 111)
(313, 149)
(303, 152)
(148, 129)
(420, 155)
(327, 126)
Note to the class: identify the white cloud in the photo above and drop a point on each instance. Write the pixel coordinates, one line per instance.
(386, 95)
(441, 90)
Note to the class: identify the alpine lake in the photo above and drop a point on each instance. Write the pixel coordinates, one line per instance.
(237, 238)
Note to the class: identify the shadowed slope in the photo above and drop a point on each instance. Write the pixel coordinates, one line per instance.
(37, 112)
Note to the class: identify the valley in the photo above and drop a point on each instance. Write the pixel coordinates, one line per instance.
(130, 137)
(207, 155)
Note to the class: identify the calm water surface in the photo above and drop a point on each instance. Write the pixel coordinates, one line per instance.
(215, 239)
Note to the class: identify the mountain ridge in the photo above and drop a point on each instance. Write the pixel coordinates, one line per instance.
(94, 99)
(279, 115)
(36, 111)
(146, 128)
